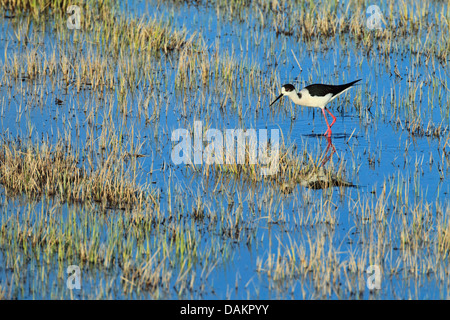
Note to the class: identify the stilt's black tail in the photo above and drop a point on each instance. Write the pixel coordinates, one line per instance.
(342, 87)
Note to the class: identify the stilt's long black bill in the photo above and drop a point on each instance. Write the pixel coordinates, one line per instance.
(276, 100)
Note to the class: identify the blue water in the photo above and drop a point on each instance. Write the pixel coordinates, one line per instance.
(369, 126)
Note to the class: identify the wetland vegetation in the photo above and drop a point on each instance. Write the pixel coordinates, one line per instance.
(87, 178)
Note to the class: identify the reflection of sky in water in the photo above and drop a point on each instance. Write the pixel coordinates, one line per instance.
(356, 138)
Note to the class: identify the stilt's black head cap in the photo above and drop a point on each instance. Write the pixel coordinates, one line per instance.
(288, 87)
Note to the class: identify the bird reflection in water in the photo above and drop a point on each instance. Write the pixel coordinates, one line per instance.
(330, 146)
(317, 177)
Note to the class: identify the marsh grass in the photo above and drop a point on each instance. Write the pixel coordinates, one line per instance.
(306, 169)
(43, 169)
(416, 128)
(154, 253)
(35, 7)
(306, 20)
(112, 90)
(397, 236)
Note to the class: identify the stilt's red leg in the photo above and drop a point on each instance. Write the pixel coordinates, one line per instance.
(334, 118)
(329, 128)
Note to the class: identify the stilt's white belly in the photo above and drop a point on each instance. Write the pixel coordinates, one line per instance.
(313, 101)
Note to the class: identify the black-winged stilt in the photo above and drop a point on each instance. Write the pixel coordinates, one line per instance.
(316, 96)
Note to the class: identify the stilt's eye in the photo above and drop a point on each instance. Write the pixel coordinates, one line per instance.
(288, 87)
(299, 95)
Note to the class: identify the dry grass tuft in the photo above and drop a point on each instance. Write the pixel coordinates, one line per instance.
(42, 169)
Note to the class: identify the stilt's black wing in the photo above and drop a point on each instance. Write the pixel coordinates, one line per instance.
(321, 90)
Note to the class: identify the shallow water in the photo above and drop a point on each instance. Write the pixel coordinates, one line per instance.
(369, 137)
